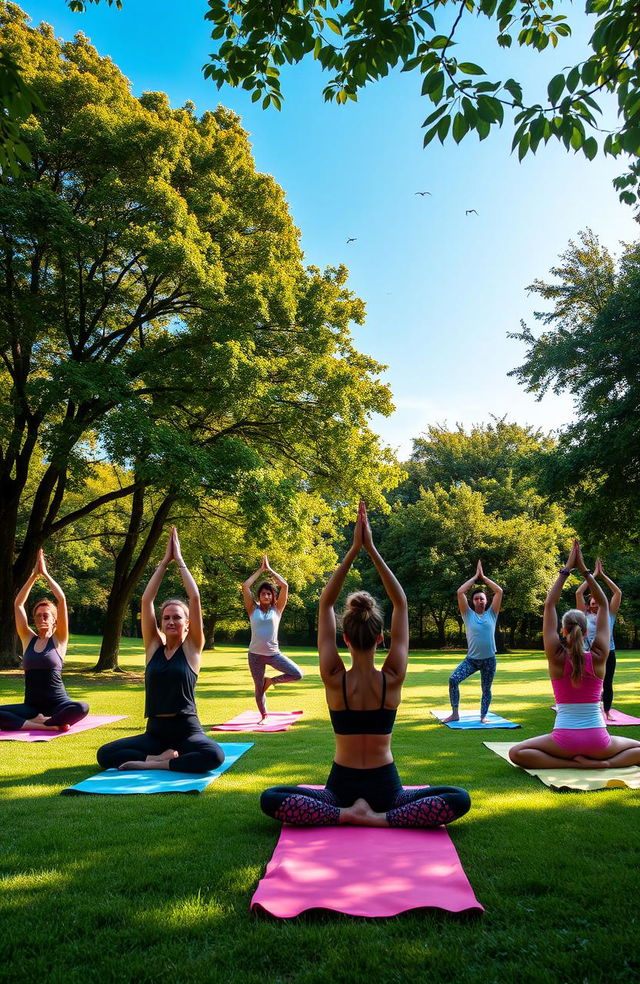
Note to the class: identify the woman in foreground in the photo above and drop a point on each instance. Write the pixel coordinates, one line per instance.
(47, 705)
(579, 738)
(363, 787)
(174, 738)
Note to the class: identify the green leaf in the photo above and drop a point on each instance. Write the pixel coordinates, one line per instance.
(470, 69)
(555, 87)
(590, 148)
(443, 128)
(333, 24)
(460, 127)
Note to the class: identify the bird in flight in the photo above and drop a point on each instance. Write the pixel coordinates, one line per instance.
(353, 239)
(422, 192)
(470, 210)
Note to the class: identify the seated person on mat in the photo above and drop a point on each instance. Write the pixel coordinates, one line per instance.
(363, 787)
(47, 705)
(579, 738)
(174, 738)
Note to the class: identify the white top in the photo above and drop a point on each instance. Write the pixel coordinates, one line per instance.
(591, 630)
(575, 717)
(264, 631)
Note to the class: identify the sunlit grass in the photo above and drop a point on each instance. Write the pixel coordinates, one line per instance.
(144, 889)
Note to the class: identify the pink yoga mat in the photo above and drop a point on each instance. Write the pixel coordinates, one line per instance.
(363, 871)
(619, 719)
(250, 721)
(91, 721)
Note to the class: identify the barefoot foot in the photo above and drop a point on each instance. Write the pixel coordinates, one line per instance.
(588, 763)
(360, 814)
(454, 716)
(163, 756)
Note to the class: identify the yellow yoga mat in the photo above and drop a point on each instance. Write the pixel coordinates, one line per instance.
(581, 780)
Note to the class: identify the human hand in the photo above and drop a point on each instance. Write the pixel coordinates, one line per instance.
(358, 532)
(572, 558)
(177, 552)
(168, 554)
(479, 571)
(598, 568)
(367, 536)
(579, 561)
(40, 564)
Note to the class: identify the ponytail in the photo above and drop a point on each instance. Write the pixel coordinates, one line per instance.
(574, 624)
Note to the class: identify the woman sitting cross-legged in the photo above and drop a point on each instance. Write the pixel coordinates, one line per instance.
(47, 705)
(174, 738)
(580, 738)
(363, 787)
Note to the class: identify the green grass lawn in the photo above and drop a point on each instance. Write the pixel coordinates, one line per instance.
(157, 888)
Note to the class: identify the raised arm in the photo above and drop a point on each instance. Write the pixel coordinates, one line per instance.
(62, 619)
(196, 629)
(330, 659)
(581, 604)
(496, 601)
(616, 593)
(283, 593)
(247, 597)
(600, 643)
(550, 637)
(151, 637)
(22, 620)
(396, 661)
(461, 593)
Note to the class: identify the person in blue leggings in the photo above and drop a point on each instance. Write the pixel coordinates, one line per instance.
(363, 787)
(174, 738)
(480, 623)
(47, 706)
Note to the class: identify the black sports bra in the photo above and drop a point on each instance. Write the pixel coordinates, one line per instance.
(377, 722)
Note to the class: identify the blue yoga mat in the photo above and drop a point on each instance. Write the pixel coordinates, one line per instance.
(113, 782)
(471, 720)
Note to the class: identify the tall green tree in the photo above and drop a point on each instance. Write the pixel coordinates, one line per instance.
(590, 348)
(154, 306)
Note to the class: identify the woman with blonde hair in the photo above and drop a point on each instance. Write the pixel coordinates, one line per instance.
(174, 738)
(580, 737)
(47, 705)
(363, 787)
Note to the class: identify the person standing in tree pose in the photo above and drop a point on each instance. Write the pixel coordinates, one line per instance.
(363, 787)
(480, 625)
(47, 705)
(579, 737)
(174, 738)
(591, 611)
(264, 616)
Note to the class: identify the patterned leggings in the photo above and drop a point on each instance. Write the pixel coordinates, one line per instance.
(289, 672)
(428, 807)
(487, 668)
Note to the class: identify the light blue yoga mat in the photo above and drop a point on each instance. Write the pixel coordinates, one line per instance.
(471, 720)
(113, 782)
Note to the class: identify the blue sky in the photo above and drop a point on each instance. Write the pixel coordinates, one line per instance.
(442, 288)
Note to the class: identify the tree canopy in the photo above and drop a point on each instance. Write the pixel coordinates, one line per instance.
(359, 42)
(590, 348)
(155, 313)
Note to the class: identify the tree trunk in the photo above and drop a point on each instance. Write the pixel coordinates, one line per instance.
(210, 623)
(8, 583)
(117, 605)
(440, 621)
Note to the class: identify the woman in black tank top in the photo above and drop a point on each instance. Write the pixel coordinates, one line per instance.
(363, 787)
(47, 705)
(174, 738)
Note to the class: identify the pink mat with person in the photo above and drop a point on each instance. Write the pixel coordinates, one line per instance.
(251, 721)
(618, 719)
(87, 723)
(363, 871)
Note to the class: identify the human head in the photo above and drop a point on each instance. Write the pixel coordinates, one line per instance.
(174, 617)
(362, 623)
(479, 601)
(45, 615)
(269, 597)
(592, 606)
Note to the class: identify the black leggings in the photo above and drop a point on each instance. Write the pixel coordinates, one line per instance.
(430, 806)
(183, 733)
(13, 716)
(607, 683)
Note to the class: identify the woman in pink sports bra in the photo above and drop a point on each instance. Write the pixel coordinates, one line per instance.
(579, 738)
